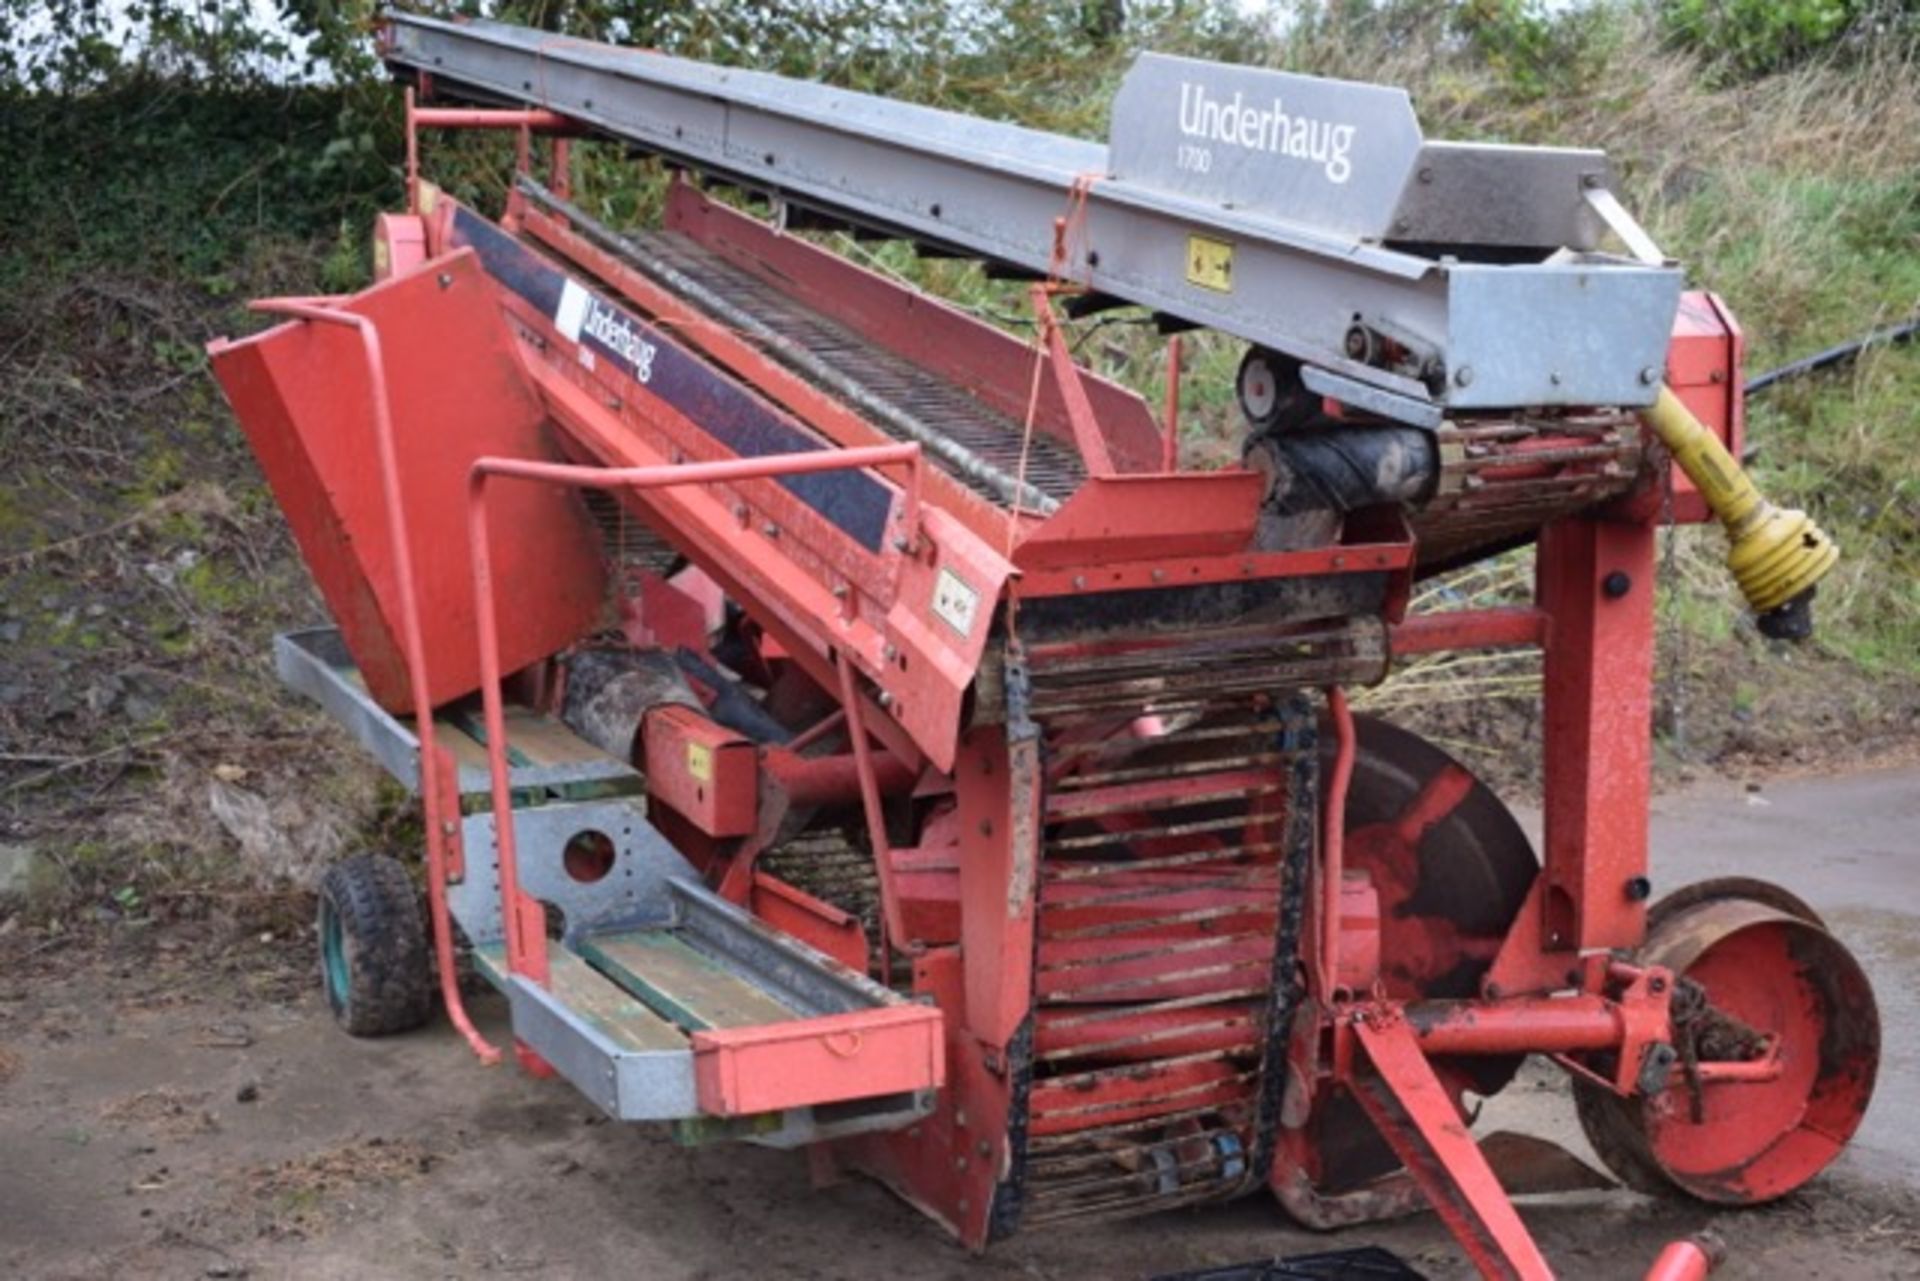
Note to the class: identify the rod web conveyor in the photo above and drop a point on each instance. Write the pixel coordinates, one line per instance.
(977, 445)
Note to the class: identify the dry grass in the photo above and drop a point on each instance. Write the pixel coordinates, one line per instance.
(297, 1197)
(164, 1111)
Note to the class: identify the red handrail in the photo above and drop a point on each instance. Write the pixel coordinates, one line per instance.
(430, 796)
(526, 121)
(524, 920)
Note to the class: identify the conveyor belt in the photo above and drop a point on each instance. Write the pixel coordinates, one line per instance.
(982, 447)
(1052, 468)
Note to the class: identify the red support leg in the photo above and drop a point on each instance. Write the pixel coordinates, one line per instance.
(1596, 587)
(1416, 1116)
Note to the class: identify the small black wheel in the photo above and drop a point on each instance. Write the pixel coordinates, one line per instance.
(374, 960)
(1271, 395)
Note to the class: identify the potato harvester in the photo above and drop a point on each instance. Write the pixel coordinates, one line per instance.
(841, 723)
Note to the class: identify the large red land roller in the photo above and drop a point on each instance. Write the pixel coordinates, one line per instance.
(842, 723)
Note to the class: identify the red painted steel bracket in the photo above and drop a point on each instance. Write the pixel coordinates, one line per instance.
(1416, 1115)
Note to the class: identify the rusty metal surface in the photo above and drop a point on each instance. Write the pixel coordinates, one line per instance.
(828, 864)
(1502, 480)
(1093, 680)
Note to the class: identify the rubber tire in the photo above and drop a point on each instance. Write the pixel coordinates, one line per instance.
(375, 965)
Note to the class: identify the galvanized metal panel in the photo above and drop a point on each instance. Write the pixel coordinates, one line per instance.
(315, 662)
(655, 1085)
(1301, 254)
(1328, 154)
(1514, 333)
(632, 893)
(798, 975)
(1483, 193)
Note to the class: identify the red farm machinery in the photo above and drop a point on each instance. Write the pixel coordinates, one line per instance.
(841, 724)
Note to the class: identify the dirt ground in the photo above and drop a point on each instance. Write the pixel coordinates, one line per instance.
(182, 1107)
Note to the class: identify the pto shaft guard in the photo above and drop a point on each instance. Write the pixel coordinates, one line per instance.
(1777, 555)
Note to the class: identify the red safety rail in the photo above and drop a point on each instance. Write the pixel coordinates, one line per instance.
(523, 121)
(523, 916)
(438, 786)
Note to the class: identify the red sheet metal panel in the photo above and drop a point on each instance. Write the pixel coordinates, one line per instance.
(302, 395)
(706, 772)
(820, 925)
(1705, 369)
(743, 1070)
(399, 245)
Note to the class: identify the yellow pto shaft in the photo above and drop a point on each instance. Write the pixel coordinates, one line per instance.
(1776, 554)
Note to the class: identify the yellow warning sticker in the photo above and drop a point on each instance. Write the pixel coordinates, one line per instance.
(1210, 263)
(700, 762)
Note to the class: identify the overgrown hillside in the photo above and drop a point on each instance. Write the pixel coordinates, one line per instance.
(153, 770)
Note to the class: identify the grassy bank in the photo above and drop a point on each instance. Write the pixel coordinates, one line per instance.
(1796, 197)
(143, 564)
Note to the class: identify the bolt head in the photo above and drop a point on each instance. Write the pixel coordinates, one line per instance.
(1463, 376)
